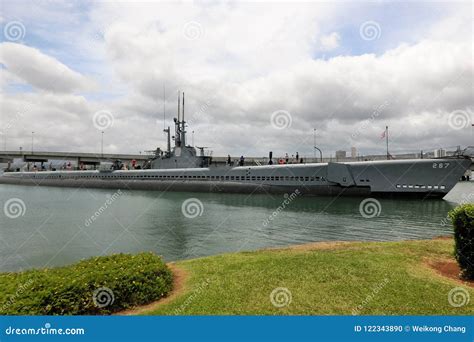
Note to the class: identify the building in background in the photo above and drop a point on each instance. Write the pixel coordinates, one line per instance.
(439, 153)
(340, 155)
(353, 152)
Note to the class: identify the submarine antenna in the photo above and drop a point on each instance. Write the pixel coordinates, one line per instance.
(166, 130)
(179, 104)
(177, 138)
(183, 128)
(164, 107)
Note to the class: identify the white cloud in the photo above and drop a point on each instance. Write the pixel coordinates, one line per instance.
(41, 71)
(247, 61)
(330, 41)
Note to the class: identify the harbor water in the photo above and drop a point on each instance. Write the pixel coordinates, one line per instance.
(48, 226)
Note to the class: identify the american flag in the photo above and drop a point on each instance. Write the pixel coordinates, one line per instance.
(383, 134)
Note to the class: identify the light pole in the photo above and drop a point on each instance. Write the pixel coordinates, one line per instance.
(32, 141)
(320, 153)
(102, 144)
(315, 148)
(193, 138)
(314, 141)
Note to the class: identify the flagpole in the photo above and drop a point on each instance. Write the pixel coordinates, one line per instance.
(386, 140)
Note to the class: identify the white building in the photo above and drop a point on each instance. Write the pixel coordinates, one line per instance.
(440, 153)
(353, 152)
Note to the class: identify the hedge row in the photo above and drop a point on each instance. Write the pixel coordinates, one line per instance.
(463, 222)
(100, 285)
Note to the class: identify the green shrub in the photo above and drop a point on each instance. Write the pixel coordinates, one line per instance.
(463, 221)
(130, 279)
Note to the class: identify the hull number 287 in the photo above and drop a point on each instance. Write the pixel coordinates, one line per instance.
(440, 165)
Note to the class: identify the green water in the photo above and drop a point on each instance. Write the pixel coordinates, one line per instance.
(54, 226)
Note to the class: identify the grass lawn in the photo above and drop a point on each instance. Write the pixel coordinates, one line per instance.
(366, 278)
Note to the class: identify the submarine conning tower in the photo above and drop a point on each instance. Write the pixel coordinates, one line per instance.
(182, 155)
(180, 125)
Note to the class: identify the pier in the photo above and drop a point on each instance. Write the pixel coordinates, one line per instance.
(95, 159)
(76, 157)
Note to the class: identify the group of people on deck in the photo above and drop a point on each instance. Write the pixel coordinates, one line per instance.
(295, 159)
(281, 161)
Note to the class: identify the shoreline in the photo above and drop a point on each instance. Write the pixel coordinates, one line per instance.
(319, 278)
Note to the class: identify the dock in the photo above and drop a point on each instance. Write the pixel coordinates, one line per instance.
(95, 159)
(76, 157)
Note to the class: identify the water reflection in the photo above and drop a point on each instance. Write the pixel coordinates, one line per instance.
(53, 230)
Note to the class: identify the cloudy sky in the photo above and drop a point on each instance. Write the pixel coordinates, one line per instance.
(257, 76)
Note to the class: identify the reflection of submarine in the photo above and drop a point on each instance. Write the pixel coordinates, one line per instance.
(313, 204)
(182, 169)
